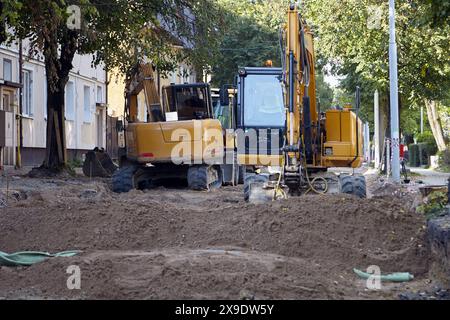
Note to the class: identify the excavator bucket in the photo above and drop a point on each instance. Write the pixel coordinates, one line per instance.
(98, 164)
(260, 194)
(258, 189)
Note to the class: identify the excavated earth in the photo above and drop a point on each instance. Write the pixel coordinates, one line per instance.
(173, 243)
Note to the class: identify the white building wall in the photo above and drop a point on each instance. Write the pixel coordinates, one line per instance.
(81, 133)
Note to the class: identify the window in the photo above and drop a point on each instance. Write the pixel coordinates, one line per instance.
(7, 70)
(87, 104)
(189, 102)
(27, 93)
(99, 94)
(263, 101)
(6, 102)
(70, 103)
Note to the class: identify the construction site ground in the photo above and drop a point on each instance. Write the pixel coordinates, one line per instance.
(173, 243)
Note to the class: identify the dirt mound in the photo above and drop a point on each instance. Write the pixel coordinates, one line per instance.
(178, 274)
(319, 240)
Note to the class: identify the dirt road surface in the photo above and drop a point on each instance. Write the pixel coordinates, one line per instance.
(170, 243)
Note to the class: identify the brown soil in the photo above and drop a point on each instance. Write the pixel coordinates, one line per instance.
(176, 243)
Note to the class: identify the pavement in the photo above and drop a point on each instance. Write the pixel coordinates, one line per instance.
(431, 177)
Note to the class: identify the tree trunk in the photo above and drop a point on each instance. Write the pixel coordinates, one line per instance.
(57, 68)
(56, 157)
(435, 123)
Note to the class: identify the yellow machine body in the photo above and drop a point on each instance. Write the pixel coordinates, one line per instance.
(339, 143)
(260, 160)
(312, 140)
(161, 141)
(193, 141)
(343, 141)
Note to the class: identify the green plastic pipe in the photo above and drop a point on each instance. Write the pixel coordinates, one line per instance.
(393, 277)
(28, 258)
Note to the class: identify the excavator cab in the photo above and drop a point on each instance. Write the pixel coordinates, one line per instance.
(188, 101)
(261, 120)
(261, 116)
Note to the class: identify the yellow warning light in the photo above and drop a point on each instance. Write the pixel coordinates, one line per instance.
(268, 63)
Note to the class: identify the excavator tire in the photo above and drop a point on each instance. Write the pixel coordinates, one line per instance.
(355, 185)
(203, 177)
(254, 187)
(241, 175)
(122, 179)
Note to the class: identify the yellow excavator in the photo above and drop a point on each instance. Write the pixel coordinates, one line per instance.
(295, 142)
(178, 138)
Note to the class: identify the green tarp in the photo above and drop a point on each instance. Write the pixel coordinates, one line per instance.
(27, 258)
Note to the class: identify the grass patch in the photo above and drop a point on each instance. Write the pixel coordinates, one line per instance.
(434, 205)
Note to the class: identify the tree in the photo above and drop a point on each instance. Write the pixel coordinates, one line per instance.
(250, 36)
(118, 33)
(8, 16)
(324, 92)
(438, 12)
(358, 49)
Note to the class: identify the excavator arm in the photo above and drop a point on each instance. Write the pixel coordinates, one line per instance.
(141, 78)
(314, 141)
(302, 145)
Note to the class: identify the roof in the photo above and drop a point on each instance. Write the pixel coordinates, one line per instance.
(260, 70)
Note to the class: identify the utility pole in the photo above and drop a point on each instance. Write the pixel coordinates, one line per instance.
(388, 157)
(421, 119)
(20, 142)
(393, 75)
(367, 143)
(376, 139)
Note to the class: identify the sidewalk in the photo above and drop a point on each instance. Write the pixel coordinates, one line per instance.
(431, 177)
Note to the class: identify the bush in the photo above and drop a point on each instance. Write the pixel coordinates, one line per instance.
(423, 150)
(75, 163)
(419, 154)
(414, 157)
(434, 205)
(444, 160)
(428, 138)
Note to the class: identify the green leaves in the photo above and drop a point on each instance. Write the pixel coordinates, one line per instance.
(249, 36)
(120, 33)
(359, 50)
(347, 37)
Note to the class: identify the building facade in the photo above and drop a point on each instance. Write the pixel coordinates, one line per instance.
(85, 102)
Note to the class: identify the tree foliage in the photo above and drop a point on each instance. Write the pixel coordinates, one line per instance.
(250, 36)
(118, 33)
(357, 46)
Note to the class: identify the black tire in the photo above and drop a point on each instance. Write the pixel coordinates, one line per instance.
(253, 179)
(355, 185)
(241, 175)
(360, 186)
(219, 182)
(122, 179)
(199, 178)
